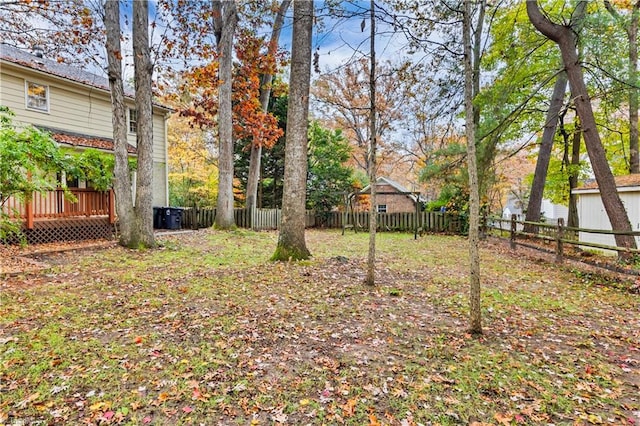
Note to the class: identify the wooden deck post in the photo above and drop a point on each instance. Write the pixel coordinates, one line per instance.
(28, 209)
(112, 207)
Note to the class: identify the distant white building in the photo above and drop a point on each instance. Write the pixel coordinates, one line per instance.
(550, 212)
(592, 215)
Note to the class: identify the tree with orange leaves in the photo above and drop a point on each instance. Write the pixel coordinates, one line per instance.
(250, 122)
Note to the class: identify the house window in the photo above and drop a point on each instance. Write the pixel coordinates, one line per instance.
(382, 208)
(133, 120)
(37, 96)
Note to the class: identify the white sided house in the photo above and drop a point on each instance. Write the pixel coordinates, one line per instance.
(592, 215)
(74, 105)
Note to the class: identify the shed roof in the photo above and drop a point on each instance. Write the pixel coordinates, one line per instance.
(621, 182)
(382, 180)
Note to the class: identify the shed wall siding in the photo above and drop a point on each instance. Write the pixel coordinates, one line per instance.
(593, 216)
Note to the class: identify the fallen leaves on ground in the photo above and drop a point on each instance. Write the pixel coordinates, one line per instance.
(205, 330)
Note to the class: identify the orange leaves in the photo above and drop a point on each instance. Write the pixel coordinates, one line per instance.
(373, 420)
(249, 119)
(349, 407)
(503, 419)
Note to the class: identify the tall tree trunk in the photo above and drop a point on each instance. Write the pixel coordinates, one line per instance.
(475, 315)
(544, 153)
(631, 29)
(372, 162)
(122, 179)
(225, 22)
(265, 93)
(291, 241)
(573, 219)
(485, 149)
(565, 37)
(634, 104)
(144, 133)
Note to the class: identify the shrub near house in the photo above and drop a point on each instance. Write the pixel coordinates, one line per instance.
(31, 163)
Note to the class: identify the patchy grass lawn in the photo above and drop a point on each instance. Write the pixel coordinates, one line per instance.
(207, 331)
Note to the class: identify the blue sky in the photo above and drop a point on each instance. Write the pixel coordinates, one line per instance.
(340, 39)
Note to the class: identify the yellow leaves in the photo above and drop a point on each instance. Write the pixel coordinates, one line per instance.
(399, 393)
(592, 418)
(100, 406)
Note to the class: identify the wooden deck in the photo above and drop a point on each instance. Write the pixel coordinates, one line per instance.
(54, 216)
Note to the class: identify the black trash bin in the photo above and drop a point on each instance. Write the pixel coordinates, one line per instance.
(158, 218)
(173, 218)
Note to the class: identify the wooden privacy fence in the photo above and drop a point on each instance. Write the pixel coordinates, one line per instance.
(269, 219)
(554, 235)
(259, 219)
(408, 221)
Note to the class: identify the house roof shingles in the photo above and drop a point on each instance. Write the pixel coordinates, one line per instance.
(86, 141)
(49, 66)
(382, 180)
(62, 70)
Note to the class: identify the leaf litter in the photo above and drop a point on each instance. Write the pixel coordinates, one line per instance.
(204, 330)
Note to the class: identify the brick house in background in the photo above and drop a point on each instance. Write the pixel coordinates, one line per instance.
(391, 197)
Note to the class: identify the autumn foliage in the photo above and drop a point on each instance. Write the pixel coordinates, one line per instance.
(249, 121)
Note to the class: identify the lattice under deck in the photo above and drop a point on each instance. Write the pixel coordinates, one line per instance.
(76, 229)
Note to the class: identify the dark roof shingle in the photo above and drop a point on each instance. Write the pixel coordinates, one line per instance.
(59, 69)
(49, 66)
(85, 141)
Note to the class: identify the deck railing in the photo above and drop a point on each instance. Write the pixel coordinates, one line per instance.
(57, 205)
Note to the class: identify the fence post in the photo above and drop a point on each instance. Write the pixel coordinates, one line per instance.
(417, 217)
(559, 237)
(195, 224)
(512, 240)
